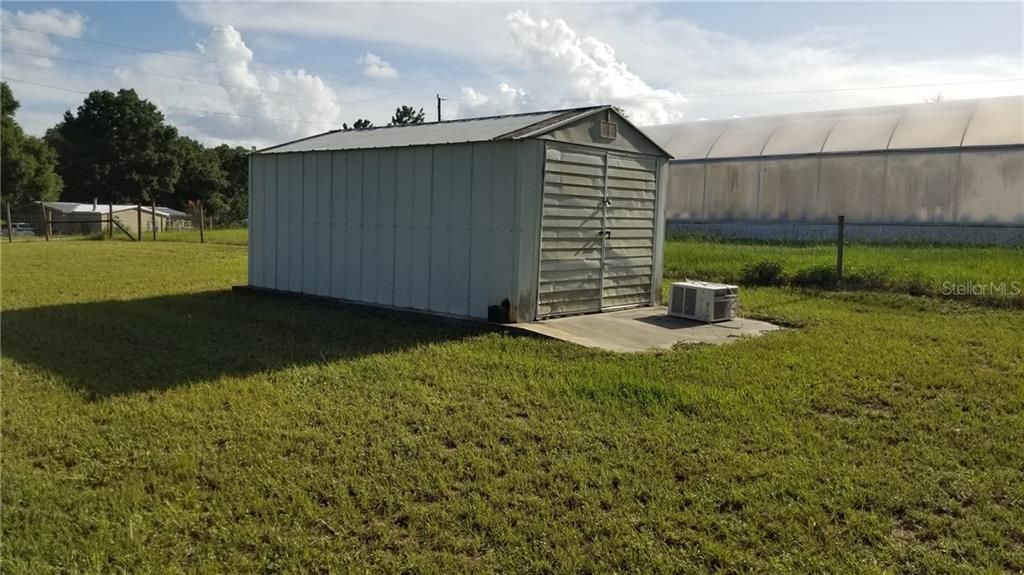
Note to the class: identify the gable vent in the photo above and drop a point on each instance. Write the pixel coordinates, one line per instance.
(609, 130)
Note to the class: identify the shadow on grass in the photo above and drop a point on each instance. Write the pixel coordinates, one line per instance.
(120, 347)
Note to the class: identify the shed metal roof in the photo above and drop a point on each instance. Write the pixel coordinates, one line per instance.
(949, 124)
(509, 127)
(80, 208)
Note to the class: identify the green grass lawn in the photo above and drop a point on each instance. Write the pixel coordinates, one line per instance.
(901, 267)
(229, 236)
(155, 421)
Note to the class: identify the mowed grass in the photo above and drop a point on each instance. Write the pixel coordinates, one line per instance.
(229, 236)
(918, 267)
(155, 421)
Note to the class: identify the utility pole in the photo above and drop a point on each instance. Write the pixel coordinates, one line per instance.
(439, 100)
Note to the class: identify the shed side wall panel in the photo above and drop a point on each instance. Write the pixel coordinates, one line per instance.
(370, 258)
(322, 218)
(353, 225)
(283, 193)
(404, 193)
(339, 231)
(386, 230)
(255, 246)
(421, 218)
(309, 223)
(295, 230)
(481, 242)
(501, 261)
(432, 229)
(268, 220)
(460, 216)
(440, 229)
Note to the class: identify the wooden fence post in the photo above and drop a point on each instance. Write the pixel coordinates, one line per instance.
(138, 219)
(153, 221)
(10, 225)
(110, 221)
(840, 240)
(202, 225)
(46, 224)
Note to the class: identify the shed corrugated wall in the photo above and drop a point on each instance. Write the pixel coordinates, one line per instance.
(431, 228)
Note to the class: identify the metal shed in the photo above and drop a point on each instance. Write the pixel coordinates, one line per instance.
(557, 213)
(951, 170)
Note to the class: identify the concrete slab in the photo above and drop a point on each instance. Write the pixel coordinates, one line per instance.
(643, 329)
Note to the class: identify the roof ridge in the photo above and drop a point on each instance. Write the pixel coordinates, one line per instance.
(476, 118)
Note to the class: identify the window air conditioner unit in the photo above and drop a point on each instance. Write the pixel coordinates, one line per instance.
(703, 301)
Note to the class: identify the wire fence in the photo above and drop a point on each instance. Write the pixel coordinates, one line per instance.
(132, 223)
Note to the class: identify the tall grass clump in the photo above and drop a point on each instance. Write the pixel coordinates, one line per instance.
(763, 273)
(816, 276)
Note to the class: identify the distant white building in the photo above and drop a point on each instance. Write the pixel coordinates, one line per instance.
(73, 218)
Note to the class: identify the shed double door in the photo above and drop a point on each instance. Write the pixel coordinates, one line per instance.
(597, 230)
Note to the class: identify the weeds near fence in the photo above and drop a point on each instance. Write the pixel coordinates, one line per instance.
(919, 270)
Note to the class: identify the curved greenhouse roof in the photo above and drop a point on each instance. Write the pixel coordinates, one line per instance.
(950, 124)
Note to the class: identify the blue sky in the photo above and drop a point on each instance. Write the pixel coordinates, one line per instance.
(256, 74)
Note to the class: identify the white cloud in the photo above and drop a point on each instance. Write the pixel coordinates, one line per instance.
(249, 106)
(506, 100)
(661, 48)
(709, 65)
(35, 49)
(585, 70)
(375, 67)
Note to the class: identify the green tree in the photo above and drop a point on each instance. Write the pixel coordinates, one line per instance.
(116, 148)
(234, 197)
(201, 177)
(29, 165)
(360, 124)
(405, 115)
(218, 177)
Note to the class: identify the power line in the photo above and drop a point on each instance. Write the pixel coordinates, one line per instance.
(181, 108)
(208, 60)
(193, 80)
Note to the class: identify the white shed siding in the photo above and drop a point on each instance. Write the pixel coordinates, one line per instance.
(427, 228)
(322, 217)
(459, 237)
(309, 225)
(255, 207)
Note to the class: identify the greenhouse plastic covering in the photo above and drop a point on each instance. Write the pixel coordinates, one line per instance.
(947, 124)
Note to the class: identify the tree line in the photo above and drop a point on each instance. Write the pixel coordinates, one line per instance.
(118, 148)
